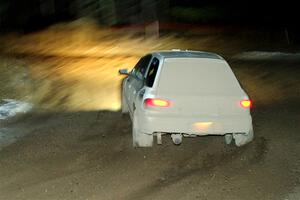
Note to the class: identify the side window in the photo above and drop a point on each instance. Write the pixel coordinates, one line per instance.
(152, 72)
(140, 68)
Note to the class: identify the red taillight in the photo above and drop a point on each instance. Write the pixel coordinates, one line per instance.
(157, 103)
(246, 103)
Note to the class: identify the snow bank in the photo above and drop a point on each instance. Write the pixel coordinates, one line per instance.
(265, 55)
(11, 107)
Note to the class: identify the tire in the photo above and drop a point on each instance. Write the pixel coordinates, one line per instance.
(140, 139)
(242, 139)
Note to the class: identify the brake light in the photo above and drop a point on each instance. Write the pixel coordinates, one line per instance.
(246, 103)
(157, 103)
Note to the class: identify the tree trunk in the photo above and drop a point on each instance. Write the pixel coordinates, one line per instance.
(149, 16)
(107, 9)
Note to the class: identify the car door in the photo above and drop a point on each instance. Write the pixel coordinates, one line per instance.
(129, 82)
(136, 81)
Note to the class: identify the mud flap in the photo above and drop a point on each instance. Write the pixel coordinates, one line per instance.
(143, 140)
(140, 139)
(243, 138)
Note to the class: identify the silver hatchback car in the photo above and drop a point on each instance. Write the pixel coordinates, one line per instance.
(185, 94)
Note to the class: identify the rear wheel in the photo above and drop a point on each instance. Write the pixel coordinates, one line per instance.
(140, 139)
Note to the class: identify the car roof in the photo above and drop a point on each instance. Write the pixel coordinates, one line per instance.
(187, 54)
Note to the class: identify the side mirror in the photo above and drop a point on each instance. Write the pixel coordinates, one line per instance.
(124, 71)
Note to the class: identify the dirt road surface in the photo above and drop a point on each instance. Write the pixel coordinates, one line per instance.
(88, 154)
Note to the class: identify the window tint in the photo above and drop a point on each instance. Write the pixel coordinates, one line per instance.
(141, 67)
(152, 72)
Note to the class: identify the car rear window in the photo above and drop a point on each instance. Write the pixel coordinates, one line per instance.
(197, 75)
(152, 72)
(140, 68)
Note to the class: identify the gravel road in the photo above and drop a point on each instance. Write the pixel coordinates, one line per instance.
(88, 154)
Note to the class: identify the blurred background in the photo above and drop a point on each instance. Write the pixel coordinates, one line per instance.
(35, 14)
(65, 55)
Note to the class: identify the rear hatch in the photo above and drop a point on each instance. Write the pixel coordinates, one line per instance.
(199, 87)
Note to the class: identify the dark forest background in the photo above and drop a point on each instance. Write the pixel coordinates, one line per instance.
(30, 15)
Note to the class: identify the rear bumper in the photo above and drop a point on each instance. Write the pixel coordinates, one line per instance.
(208, 125)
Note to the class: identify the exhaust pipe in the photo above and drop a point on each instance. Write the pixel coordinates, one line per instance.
(176, 138)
